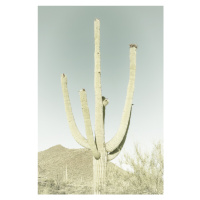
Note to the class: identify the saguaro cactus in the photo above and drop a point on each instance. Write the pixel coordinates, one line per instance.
(102, 152)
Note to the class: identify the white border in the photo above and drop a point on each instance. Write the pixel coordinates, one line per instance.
(19, 99)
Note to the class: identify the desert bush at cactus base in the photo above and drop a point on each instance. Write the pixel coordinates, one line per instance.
(146, 175)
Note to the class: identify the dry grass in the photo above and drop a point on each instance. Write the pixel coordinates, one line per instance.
(50, 187)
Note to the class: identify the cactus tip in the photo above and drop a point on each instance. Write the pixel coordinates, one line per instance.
(133, 45)
(63, 78)
(105, 101)
(82, 90)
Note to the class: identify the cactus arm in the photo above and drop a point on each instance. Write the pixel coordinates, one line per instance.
(88, 127)
(116, 152)
(113, 156)
(117, 139)
(72, 124)
(99, 127)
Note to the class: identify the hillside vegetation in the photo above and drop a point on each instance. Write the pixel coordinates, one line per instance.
(69, 171)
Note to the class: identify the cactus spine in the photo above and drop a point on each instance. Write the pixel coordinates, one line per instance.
(102, 152)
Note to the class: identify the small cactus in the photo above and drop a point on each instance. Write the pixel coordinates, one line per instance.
(102, 152)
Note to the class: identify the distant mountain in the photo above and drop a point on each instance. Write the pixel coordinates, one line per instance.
(60, 163)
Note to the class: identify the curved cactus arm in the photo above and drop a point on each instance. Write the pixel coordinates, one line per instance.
(117, 139)
(88, 127)
(116, 152)
(72, 124)
(113, 156)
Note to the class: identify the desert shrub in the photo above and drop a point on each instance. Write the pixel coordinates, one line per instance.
(146, 176)
(50, 186)
(50, 183)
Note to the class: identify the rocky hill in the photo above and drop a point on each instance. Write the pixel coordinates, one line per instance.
(61, 164)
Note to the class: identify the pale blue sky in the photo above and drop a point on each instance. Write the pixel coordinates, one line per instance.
(66, 45)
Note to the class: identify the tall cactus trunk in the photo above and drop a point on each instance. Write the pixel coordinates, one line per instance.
(99, 170)
(99, 173)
